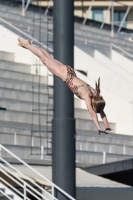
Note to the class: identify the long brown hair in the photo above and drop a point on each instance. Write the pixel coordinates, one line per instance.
(98, 102)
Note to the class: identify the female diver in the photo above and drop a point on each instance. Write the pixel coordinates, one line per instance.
(94, 102)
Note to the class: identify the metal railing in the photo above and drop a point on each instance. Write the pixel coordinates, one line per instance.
(11, 187)
(4, 194)
(82, 144)
(122, 50)
(25, 34)
(102, 157)
(53, 186)
(111, 9)
(24, 186)
(14, 138)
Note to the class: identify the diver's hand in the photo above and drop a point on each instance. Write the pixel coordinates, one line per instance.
(102, 131)
(108, 129)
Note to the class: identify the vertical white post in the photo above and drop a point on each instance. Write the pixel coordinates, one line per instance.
(106, 16)
(0, 151)
(132, 114)
(95, 147)
(23, 5)
(52, 192)
(26, 7)
(87, 13)
(46, 11)
(112, 23)
(95, 144)
(15, 138)
(104, 157)
(124, 149)
(110, 146)
(25, 191)
(86, 146)
(80, 147)
(42, 152)
(123, 20)
(110, 149)
(32, 141)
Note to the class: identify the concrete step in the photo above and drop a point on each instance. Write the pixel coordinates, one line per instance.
(23, 114)
(113, 148)
(23, 137)
(110, 139)
(8, 83)
(25, 106)
(104, 33)
(19, 67)
(16, 9)
(6, 56)
(24, 95)
(15, 75)
(26, 118)
(25, 22)
(98, 157)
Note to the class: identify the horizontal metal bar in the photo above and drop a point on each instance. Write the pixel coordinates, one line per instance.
(50, 109)
(41, 130)
(21, 128)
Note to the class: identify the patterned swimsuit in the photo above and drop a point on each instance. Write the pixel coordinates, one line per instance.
(69, 81)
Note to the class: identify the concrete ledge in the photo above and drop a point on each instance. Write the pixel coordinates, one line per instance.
(6, 56)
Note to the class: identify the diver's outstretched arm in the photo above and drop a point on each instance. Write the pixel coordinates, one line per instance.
(105, 121)
(93, 115)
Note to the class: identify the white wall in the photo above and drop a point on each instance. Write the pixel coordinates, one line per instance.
(121, 60)
(121, 79)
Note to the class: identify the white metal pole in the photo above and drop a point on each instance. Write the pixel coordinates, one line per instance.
(23, 4)
(41, 152)
(106, 16)
(124, 149)
(0, 151)
(112, 23)
(32, 140)
(46, 11)
(132, 114)
(123, 20)
(53, 192)
(15, 138)
(104, 157)
(25, 191)
(26, 7)
(87, 13)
